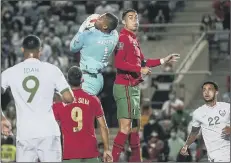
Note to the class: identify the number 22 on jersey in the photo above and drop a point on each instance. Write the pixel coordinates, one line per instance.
(215, 119)
(77, 116)
(32, 90)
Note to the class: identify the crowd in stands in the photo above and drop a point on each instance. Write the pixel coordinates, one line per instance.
(165, 125)
(220, 21)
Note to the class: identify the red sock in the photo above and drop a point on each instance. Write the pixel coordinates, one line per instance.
(134, 143)
(118, 145)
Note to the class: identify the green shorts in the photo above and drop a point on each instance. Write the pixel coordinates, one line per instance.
(128, 101)
(82, 160)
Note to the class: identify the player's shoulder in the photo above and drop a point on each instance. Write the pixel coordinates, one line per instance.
(123, 37)
(223, 105)
(12, 69)
(115, 33)
(198, 110)
(94, 99)
(58, 105)
(7, 71)
(90, 31)
(50, 67)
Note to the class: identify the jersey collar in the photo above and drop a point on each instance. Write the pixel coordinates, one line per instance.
(31, 59)
(126, 32)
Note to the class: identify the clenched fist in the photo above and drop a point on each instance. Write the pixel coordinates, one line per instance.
(145, 70)
(184, 151)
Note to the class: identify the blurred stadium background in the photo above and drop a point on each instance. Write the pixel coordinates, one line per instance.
(197, 29)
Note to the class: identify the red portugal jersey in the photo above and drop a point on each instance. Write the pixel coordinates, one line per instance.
(77, 125)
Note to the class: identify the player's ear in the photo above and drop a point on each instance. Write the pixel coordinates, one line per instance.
(216, 92)
(22, 50)
(105, 27)
(123, 22)
(40, 52)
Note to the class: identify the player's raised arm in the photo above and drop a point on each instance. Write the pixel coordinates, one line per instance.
(193, 134)
(62, 86)
(103, 129)
(156, 62)
(77, 42)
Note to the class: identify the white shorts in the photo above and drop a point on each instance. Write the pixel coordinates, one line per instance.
(47, 149)
(220, 159)
(220, 156)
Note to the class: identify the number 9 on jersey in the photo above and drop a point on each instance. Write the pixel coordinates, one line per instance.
(32, 90)
(77, 116)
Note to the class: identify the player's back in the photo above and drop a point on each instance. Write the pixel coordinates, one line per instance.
(77, 125)
(98, 47)
(33, 84)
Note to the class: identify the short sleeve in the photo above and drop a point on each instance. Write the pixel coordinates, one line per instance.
(57, 108)
(5, 80)
(195, 120)
(98, 107)
(61, 84)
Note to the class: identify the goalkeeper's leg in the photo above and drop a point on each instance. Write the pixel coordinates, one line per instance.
(93, 84)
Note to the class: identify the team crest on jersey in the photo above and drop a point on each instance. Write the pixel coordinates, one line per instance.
(120, 46)
(222, 113)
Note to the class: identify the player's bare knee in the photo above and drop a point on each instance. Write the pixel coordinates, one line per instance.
(125, 129)
(135, 125)
(125, 126)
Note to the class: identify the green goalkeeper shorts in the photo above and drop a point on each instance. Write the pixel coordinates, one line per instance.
(128, 101)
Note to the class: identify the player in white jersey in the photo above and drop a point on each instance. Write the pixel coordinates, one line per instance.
(33, 84)
(213, 118)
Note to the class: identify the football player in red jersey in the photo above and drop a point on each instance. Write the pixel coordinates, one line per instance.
(77, 124)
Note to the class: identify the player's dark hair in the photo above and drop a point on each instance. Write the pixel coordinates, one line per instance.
(113, 21)
(127, 11)
(74, 76)
(31, 42)
(212, 83)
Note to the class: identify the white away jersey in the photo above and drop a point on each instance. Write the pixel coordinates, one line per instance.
(212, 120)
(33, 84)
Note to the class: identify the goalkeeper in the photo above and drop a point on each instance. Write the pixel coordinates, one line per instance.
(96, 41)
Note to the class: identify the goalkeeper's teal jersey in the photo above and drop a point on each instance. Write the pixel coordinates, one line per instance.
(95, 48)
